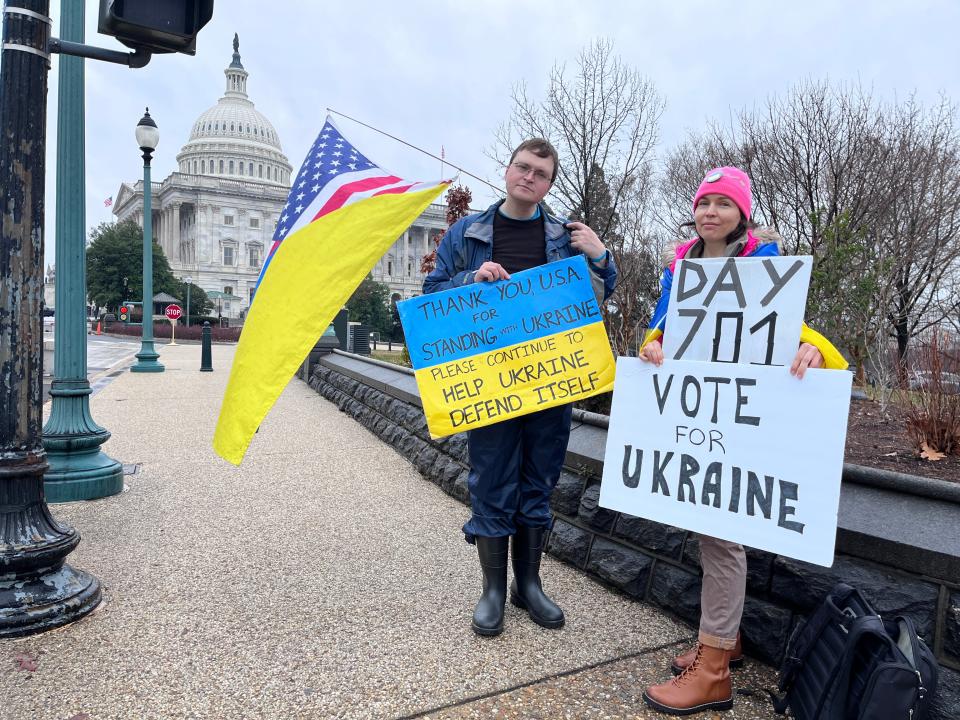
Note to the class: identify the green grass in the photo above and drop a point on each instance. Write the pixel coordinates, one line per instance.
(391, 357)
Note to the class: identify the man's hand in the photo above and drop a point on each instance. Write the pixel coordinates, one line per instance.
(807, 357)
(490, 272)
(652, 352)
(585, 240)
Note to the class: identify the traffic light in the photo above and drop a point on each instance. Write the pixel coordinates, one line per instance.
(158, 26)
(124, 313)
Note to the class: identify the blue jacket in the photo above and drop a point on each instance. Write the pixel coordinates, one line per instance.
(469, 243)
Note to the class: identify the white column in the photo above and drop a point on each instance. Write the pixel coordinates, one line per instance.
(159, 227)
(174, 253)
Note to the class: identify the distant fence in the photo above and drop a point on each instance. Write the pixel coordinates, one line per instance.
(161, 329)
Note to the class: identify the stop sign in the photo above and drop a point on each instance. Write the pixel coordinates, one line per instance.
(173, 312)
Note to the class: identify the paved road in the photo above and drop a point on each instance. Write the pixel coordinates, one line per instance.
(105, 354)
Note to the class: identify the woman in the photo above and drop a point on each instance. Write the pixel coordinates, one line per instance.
(721, 216)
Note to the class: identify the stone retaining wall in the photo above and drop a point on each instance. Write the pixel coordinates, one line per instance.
(660, 564)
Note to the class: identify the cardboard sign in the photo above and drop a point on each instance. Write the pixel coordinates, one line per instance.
(737, 310)
(486, 352)
(742, 452)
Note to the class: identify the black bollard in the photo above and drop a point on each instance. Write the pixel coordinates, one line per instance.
(206, 364)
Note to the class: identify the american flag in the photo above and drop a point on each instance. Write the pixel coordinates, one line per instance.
(334, 174)
(108, 202)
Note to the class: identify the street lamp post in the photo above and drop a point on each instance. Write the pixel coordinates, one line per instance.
(189, 281)
(79, 469)
(147, 138)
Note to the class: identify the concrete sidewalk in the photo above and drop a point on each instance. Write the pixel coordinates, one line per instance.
(323, 578)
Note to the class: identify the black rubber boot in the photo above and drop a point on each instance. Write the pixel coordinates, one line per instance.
(488, 616)
(527, 590)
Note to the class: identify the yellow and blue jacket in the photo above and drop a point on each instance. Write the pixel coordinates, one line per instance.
(753, 247)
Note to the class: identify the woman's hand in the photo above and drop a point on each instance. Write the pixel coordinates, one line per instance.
(807, 357)
(652, 352)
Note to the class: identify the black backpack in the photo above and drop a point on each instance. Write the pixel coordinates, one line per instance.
(846, 663)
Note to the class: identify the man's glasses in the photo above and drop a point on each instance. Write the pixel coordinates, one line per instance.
(524, 170)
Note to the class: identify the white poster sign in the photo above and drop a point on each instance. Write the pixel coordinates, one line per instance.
(737, 310)
(746, 453)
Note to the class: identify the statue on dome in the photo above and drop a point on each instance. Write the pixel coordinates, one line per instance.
(236, 43)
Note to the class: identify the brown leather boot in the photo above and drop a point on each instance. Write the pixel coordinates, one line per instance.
(681, 662)
(704, 685)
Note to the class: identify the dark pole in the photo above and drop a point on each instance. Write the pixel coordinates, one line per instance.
(206, 362)
(38, 591)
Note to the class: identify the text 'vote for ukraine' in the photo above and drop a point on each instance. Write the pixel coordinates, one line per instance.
(488, 351)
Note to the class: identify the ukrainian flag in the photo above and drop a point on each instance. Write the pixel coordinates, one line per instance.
(341, 216)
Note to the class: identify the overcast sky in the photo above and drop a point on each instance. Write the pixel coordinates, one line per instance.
(440, 73)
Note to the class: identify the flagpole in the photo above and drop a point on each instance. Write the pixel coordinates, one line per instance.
(430, 154)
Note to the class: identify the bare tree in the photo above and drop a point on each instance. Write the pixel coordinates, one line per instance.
(604, 116)
(639, 253)
(920, 227)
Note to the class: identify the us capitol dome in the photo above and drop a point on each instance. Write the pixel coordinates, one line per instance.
(214, 217)
(233, 138)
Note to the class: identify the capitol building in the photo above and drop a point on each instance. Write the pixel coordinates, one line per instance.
(214, 218)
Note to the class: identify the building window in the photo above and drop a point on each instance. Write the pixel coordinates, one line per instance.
(260, 170)
(228, 290)
(231, 167)
(254, 255)
(241, 168)
(251, 291)
(221, 167)
(231, 127)
(227, 255)
(409, 269)
(254, 222)
(250, 168)
(389, 267)
(228, 219)
(203, 166)
(194, 167)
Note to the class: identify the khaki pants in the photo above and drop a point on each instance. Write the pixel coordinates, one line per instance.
(724, 586)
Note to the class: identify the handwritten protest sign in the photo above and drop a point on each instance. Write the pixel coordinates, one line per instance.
(746, 310)
(486, 352)
(721, 439)
(745, 453)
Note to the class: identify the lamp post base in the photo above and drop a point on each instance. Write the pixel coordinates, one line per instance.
(147, 359)
(81, 476)
(38, 591)
(46, 601)
(78, 469)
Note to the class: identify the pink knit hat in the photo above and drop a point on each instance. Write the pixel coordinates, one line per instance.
(729, 181)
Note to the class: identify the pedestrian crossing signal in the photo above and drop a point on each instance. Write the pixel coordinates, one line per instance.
(124, 313)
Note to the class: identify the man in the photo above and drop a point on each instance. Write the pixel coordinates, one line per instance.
(515, 464)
